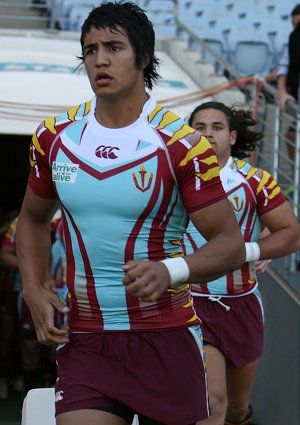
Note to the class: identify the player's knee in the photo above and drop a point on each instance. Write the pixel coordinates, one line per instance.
(218, 406)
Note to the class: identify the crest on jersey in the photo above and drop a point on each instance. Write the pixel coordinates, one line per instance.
(237, 203)
(142, 179)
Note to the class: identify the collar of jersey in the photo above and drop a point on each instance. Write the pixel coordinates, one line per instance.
(147, 109)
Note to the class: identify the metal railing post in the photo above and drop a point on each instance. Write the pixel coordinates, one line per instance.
(293, 257)
(275, 141)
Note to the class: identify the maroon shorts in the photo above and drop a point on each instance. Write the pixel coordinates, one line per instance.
(239, 332)
(159, 375)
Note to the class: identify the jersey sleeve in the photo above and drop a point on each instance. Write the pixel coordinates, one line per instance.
(40, 177)
(198, 174)
(268, 193)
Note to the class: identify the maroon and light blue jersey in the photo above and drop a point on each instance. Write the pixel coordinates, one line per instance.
(250, 196)
(125, 195)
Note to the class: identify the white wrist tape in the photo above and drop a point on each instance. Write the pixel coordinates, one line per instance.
(178, 269)
(252, 251)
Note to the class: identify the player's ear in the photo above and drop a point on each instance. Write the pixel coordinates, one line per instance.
(232, 137)
(145, 61)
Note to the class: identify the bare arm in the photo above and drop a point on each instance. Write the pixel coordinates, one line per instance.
(284, 237)
(224, 251)
(284, 96)
(33, 252)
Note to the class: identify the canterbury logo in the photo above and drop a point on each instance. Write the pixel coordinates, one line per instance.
(59, 396)
(106, 152)
(144, 180)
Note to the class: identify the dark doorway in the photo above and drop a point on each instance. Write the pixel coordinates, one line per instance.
(14, 154)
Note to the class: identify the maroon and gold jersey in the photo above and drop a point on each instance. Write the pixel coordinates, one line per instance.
(251, 195)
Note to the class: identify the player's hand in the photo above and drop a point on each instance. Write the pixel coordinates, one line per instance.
(261, 265)
(283, 99)
(50, 285)
(42, 304)
(146, 280)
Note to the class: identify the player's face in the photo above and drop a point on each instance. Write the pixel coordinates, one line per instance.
(213, 124)
(109, 60)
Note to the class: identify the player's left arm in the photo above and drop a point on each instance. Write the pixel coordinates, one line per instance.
(284, 237)
(225, 248)
(223, 252)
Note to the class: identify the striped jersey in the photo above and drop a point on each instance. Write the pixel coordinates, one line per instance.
(125, 195)
(250, 197)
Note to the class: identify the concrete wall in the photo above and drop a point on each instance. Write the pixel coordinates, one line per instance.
(276, 399)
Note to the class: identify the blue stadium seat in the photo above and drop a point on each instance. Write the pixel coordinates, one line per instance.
(65, 7)
(77, 15)
(252, 23)
(249, 50)
(159, 4)
(252, 57)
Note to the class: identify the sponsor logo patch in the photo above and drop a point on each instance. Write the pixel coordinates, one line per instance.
(64, 172)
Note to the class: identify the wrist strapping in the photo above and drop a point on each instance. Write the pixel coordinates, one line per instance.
(252, 251)
(178, 269)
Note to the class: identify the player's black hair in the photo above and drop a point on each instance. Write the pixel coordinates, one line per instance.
(239, 120)
(296, 10)
(132, 19)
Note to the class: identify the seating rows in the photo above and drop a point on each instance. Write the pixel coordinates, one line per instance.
(250, 34)
(72, 13)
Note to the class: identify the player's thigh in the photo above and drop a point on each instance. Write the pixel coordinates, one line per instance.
(89, 417)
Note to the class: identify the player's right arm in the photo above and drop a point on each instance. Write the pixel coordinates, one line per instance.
(33, 244)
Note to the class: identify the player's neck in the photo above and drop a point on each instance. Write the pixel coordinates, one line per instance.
(222, 161)
(119, 112)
